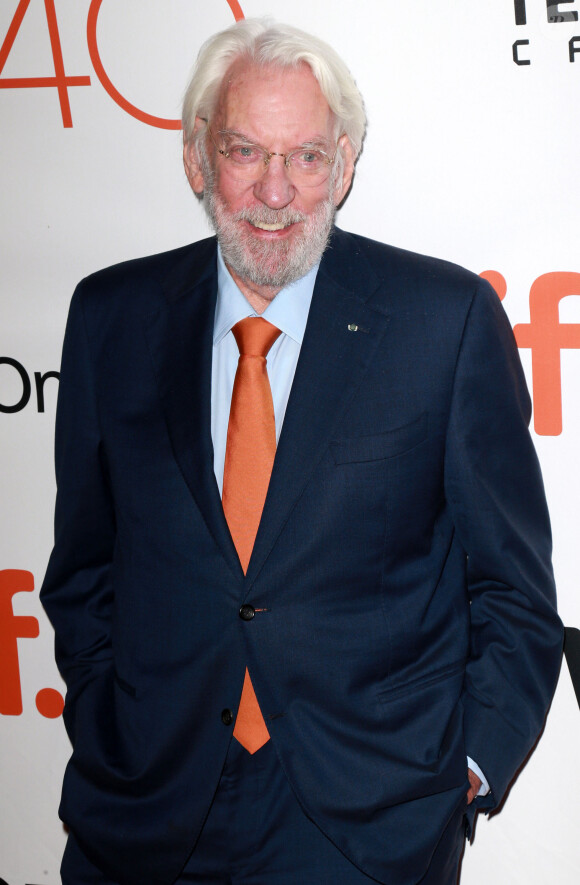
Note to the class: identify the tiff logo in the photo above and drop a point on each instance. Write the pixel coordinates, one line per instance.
(49, 702)
(545, 336)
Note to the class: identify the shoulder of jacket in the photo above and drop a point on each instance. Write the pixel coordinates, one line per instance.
(139, 276)
(403, 261)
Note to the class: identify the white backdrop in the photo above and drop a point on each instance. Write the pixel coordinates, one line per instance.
(469, 156)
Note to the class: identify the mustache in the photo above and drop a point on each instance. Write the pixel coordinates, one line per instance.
(265, 215)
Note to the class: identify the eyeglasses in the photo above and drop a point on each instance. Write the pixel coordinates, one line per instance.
(308, 166)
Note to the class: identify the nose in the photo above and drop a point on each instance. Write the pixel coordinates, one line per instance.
(274, 188)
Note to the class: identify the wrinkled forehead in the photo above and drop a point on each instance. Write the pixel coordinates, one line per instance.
(269, 101)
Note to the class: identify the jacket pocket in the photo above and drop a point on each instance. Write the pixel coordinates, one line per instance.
(434, 677)
(381, 445)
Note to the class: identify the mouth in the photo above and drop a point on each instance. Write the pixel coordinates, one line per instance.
(273, 222)
(262, 225)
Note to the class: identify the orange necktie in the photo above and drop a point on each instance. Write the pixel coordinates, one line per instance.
(250, 451)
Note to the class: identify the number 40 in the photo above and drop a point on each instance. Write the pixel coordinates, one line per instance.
(61, 81)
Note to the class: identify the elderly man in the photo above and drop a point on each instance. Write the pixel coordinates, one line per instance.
(301, 583)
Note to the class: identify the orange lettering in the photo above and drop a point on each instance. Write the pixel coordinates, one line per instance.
(60, 80)
(495, 279)
(112, 91)
(236, 9)
(545, 336)
(13, 627)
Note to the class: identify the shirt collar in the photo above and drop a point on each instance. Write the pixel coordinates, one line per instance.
(288, 311)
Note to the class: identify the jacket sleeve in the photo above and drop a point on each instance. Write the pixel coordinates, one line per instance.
(495, 490)
(77, 592)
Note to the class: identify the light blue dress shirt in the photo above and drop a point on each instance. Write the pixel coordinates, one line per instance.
(289, 313)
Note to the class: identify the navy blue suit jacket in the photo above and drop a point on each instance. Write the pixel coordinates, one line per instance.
(402, 564)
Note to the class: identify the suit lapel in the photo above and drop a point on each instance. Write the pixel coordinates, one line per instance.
(341, 337)
(333, 359)
(180, 338)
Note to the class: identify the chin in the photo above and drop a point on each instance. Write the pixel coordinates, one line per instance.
(277, 261)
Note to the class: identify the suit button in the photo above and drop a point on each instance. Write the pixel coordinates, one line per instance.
(247, 612)
(227, 717)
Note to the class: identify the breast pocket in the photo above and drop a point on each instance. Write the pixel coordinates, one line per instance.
(379, 446)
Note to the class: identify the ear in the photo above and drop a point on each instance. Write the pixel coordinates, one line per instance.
(344, 182)
(191, 159)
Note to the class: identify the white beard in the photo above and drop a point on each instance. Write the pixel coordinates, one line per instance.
(263, 262)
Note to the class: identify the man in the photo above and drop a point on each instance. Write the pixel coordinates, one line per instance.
(315, 687)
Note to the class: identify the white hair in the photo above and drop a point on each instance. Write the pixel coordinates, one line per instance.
(265, 42)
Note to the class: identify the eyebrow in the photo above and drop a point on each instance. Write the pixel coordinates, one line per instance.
(317, 141)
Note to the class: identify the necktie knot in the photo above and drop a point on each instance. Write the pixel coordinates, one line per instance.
(255, 336)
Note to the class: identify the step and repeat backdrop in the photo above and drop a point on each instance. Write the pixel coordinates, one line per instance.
(471, 155)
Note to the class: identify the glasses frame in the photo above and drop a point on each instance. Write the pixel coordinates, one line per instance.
(267, 155)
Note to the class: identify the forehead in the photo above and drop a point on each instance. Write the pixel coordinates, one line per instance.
(270, 105)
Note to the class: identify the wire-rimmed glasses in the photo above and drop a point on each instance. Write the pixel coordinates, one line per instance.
(307, 165)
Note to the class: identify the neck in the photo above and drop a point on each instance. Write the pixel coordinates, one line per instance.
(259, 297)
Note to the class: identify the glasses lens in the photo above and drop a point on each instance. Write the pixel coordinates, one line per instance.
(308, 166)
(307, 162)
(246, 156)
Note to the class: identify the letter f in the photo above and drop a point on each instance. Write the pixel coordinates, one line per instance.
(13, 627)
(545, 336)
